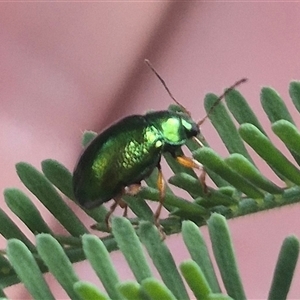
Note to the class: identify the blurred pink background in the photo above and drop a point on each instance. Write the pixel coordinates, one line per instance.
(67, 67)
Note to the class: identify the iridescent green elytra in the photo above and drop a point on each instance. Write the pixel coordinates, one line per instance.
(127, 152)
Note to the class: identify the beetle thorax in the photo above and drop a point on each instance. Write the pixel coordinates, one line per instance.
(171, 130)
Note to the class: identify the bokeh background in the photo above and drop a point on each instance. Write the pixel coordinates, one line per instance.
(70, 66)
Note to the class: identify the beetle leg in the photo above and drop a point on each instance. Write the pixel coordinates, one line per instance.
(131, 190)
(192, 163)
(189, 162)
(111, 211)
(125, 211)
(123, 205)
(162, 193)
(118, 201)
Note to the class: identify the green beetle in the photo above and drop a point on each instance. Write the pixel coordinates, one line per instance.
(127, 152)
(124, 154)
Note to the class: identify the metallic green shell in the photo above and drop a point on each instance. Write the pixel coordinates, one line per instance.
(126, 153)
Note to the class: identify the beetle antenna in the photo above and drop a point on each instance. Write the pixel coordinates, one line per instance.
(236, 84)
(147, 62)
(239, 82)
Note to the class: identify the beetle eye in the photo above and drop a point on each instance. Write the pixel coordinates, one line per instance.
(191, 128)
